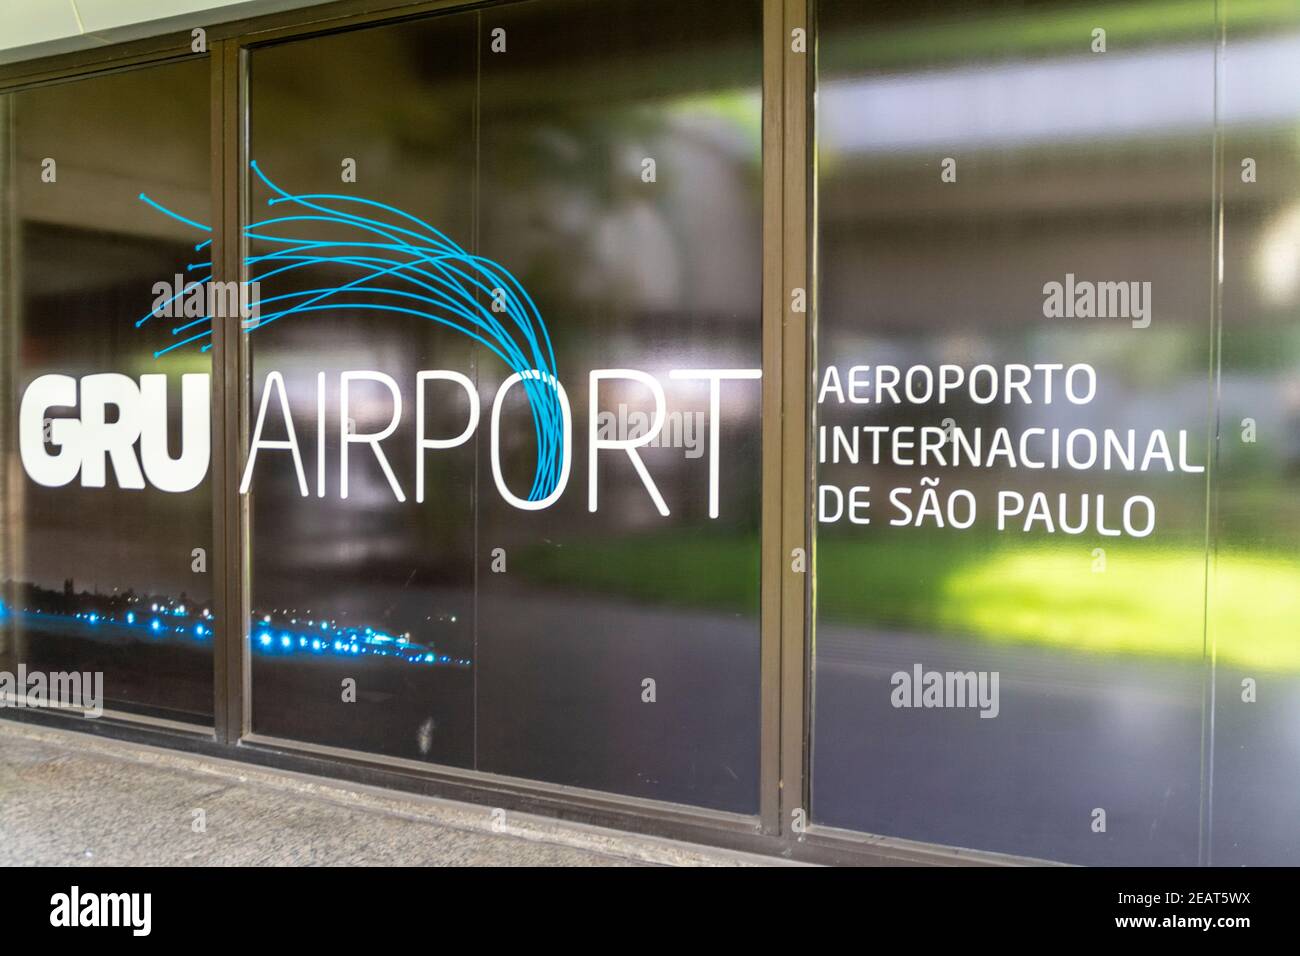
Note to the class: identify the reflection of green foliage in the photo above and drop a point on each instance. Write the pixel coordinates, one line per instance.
(1255, 507)
(575, 148)
(1268, 343)
(709, 571)
(1149, 602)
(1047, 32)
(175, 364)
(1168, 355)
(740, 109)
(1252, 465)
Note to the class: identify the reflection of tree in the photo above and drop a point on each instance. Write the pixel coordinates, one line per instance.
(566, 206)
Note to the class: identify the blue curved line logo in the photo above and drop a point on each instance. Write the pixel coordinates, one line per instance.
(406, 267)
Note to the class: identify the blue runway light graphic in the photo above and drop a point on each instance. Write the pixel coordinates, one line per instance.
(159, 619)
(407, 267)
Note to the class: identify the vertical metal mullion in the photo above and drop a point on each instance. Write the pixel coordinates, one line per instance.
(1209, 688)
(12, 513)
(773, 563)
(220, 559)
(795, 358)
(238, 371)
(229, 401)
(474, 361)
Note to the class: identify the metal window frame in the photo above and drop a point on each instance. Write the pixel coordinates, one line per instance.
(788, 353)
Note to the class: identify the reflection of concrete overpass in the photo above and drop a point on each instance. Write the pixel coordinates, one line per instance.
(1080, 98)
(1102, 163)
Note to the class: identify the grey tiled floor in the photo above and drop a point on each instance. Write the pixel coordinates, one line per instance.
(69, 799)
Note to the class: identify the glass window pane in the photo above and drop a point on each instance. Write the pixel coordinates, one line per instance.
(106, 526)
(1255, 569)
(366, 589)
(562, 192)
(621, 181)
(1005, 196)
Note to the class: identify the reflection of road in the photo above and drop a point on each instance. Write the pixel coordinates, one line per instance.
(170, 679)
(1075, 733)
(560, 686)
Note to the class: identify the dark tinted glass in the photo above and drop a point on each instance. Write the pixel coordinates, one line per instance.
(656, 276)
(331, 575)
(104, 556)
(985, 171)
(587, 184)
